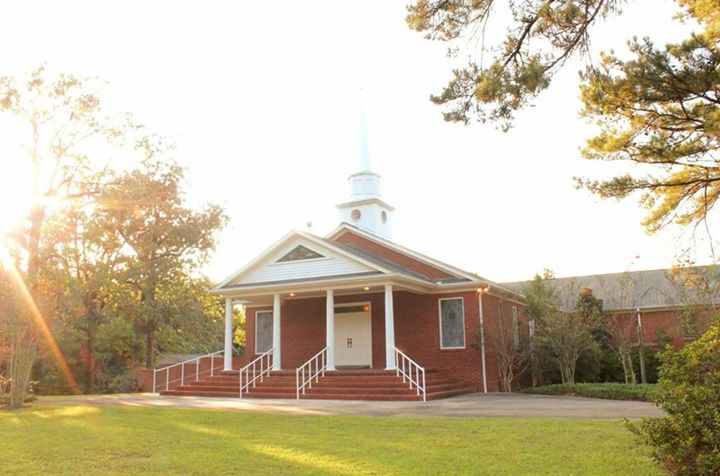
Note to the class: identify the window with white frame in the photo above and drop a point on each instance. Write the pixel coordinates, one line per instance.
(452, 323)
(263, 331)
(515, 327)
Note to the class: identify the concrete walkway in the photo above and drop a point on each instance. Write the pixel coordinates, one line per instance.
(465, 406)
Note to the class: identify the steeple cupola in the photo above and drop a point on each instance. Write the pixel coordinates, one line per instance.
(365, 209)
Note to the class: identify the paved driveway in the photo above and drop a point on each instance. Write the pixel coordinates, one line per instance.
(465, 406)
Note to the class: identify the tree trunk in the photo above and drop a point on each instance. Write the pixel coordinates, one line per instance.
(90, 362)
(149, 347)
(22, 356)
(147, 298)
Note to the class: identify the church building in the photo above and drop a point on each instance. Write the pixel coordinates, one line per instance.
(355, 315)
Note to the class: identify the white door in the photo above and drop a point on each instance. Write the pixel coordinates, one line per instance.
(353, 338)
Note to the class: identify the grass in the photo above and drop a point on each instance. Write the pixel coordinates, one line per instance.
(612, 391)
(56, 439)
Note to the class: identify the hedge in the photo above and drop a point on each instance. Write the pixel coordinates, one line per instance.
(611, 391)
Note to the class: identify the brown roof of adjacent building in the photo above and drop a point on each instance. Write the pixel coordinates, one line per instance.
(657, 288)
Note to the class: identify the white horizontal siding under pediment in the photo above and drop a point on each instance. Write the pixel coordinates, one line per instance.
(331, 264)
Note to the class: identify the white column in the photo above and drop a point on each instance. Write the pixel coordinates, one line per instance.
(389, 329)
(276, 333)
(228, 335)
(330, 329)
(481, 314)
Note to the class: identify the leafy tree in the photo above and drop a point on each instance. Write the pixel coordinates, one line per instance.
(509, 349)
(698, 290)
(565, 338)
(541, 300)
(67, 132)
(540, 37)
(16, 357)
(163, 238)
(687, 440)
(540, 297)
(198, 317)
(562, 336)
(589, 309)
(82, 263)
(657, 110)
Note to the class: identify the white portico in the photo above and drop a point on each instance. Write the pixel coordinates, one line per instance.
(329, 272)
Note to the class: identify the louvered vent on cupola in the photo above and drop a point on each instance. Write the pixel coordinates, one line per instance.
(299, 253)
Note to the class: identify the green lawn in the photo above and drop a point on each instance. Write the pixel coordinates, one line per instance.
(120, 440)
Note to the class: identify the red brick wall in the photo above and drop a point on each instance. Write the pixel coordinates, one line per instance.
(400, 259)
(417, 332)
(654, 323)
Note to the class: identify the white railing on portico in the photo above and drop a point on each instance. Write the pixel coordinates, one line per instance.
(183, 374)
(255, 370)
(411, 372)
(314, 368)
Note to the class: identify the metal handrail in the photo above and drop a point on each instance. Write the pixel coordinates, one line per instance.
(406, 366)
(264, 361)
(302, 381)
(182, 364)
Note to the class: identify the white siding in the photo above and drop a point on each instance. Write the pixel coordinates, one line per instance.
(331, 265)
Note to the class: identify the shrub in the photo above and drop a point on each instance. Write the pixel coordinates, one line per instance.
(687, 441)
(610, 391)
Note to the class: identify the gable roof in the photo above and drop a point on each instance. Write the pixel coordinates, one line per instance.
(440, 272)
(450, 275)
(657, 288)
(376, 256)
(266, 257)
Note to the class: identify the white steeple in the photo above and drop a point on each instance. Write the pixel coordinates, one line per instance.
(365, 209)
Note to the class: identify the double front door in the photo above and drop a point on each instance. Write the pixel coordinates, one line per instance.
(353, 336)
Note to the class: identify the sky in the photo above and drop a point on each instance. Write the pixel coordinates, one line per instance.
(262, 101)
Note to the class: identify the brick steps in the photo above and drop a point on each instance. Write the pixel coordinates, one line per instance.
(365, 384)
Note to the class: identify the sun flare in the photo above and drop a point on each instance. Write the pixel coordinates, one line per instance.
(16, 195)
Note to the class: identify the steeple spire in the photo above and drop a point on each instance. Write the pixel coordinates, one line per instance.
(365, 209)
(364, 142)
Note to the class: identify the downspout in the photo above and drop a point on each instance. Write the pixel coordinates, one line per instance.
(481, 290)
(641, 351)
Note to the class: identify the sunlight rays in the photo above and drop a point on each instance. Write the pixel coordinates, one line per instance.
(321, 462)
(40, 322)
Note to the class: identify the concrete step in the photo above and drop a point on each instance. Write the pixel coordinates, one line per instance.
(359, 391)
(360, 396)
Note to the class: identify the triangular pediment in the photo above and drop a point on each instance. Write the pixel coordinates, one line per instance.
(299, 253)
(297, 257)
